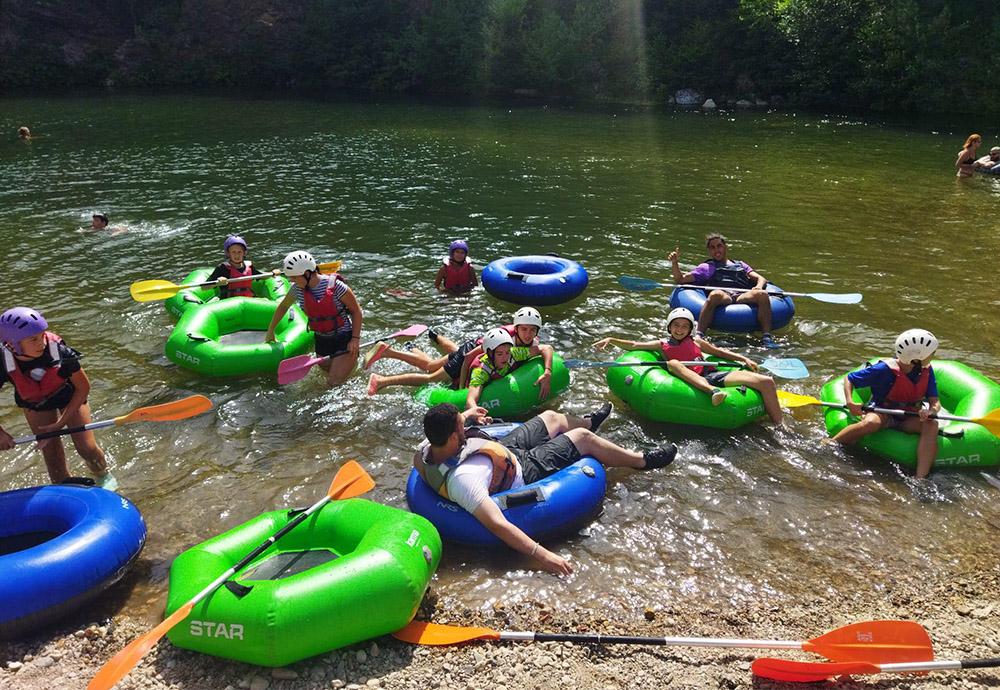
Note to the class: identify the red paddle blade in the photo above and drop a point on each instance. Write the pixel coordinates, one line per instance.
(807, 671)
(127, 659)
(350, 481)
(874, 642)
(420, 632)
(295, 368)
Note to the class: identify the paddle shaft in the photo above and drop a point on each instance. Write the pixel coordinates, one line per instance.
(698, 362)
(320, 268)
(898, 413)
(63, 432)
(258, 551)
(663, 641)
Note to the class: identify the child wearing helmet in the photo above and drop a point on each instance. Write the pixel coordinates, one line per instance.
(524, 330)
(51, 388)
(905, 382)
(332, 310)
(681, 345)
(235, 266)
(500, 357)
(456, 275)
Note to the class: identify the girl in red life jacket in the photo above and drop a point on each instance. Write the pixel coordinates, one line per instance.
(682, 346)
(333, 312)
(456, 275)
(51, 388)
(906, 382)
(236, 266)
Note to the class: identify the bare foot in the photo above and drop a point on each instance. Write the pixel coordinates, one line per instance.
(718, 396)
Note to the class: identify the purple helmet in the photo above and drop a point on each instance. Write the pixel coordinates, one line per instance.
(19, 323)
(230, 241)
(458, 244)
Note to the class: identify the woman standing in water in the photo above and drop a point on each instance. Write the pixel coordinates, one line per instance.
(967, 156)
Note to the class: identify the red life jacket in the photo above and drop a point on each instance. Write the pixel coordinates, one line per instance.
(686, 351)
(904, 392)
(29, 389)
(242, 288)
(327, 314)
(436, 473)
(457, 278)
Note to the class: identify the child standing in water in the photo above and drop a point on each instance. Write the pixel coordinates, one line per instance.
(47, 379)
(456, 275)
(681, 346)
(906, 383)
(236, 266)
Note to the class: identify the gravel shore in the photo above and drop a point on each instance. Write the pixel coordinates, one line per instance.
(960, 615)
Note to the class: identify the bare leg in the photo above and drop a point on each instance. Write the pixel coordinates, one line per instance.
(86, 444)
(339, 368)
(762, 300)
(416, 358)
(377, 383)
(763, 384)
(716, 298)
(604, 451)
(52, 449)
(927, 446)
(689, 377)
(869, 424)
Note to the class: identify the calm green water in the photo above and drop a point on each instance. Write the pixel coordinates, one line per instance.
(816, 204)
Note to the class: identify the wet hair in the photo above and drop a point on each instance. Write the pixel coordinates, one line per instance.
(715, 236)
(439, 423)
(24, 132)
(104, 218)
(972, 138)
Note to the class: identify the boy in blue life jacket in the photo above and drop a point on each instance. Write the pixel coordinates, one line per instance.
(905, 383)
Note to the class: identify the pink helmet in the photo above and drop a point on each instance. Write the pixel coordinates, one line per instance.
(19, 323)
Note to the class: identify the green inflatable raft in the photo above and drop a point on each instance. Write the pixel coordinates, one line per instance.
(352, 571)
(963, 392)
(657, 394)
(225, 337)
(514, 394)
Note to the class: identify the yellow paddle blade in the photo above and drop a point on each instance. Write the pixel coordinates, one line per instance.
(152, 290)
(991, 421)
(350, 481)
(329, 267)
(795, 400)
(420, 632)
(168, 412)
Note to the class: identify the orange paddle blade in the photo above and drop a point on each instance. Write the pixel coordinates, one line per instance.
(168, 412)
(127, 659)
(350, 481)
(420, 632)
(328, 267)
(807, 671)
(875, 642)
(795, 400)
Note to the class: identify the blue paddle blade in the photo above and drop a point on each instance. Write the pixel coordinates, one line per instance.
(641, 284)
(786, 368)
(836, 298)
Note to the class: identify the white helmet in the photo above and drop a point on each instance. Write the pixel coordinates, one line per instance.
(680, 313)
(494, 338)
(915, 343)
(297, 263)
(527, 316)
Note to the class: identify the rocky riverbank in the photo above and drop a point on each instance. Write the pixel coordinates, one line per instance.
(960, 615)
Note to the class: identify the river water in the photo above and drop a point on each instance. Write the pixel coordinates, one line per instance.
(822, 204)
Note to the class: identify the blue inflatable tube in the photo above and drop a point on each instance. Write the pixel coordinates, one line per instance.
(735, 318)
(534, 280)
(553, 507)
(61, 546)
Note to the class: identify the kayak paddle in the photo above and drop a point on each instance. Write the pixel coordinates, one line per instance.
(167, 412)
(871, 642)
(350, 481)
(813, 672)
(295, 368)
(152, 290)
(991, 421)
(645, 284)
(790, 368)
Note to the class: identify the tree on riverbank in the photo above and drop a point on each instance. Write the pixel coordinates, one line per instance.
(885, 55)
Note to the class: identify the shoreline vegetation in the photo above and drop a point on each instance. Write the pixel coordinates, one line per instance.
(892, 56)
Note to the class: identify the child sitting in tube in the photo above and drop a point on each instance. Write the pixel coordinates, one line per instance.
(235, 266)
(681, 346)
(905, 382)
(456, 275)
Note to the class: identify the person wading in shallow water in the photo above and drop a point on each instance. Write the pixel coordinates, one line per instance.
(466, 466)
(720, 272)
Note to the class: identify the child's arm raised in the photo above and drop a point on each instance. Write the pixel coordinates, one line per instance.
(603, 343)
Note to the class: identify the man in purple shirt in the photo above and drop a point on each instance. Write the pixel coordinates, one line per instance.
(722, 273)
